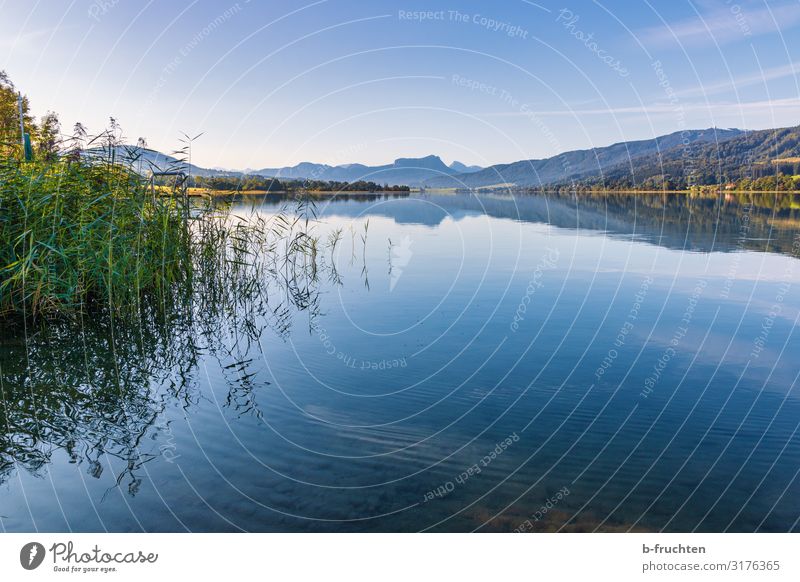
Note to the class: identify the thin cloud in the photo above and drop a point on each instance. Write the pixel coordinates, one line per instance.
(25, 40)
(721, 108)
(724, 24)
(790, 70)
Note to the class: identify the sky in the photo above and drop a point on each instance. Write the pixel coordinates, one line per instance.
(275, 83)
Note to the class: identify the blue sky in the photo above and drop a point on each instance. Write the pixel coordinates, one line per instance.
(275, 83)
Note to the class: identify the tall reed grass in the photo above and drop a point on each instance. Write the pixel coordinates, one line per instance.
(75, 234)
(79, 234)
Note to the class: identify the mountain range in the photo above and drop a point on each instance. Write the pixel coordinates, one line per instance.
(749, 155)
(403, 171)
(707, 156)
(581, 164)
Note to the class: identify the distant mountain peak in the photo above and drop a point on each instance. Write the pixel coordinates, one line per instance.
(461, 168)
(431, 162)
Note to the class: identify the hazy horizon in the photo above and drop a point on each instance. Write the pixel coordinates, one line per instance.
(446, 161)
(337, 82)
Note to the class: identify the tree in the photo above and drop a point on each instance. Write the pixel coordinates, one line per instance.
(45, 137)
(49, 139)
(9, 117)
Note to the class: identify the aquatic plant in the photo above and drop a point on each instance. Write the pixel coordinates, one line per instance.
(89, 232)
(74, 234)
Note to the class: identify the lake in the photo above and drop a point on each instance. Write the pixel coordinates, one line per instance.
(458, 362)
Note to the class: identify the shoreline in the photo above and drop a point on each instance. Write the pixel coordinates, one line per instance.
(203, 192)
(609, 191)
(198, 192)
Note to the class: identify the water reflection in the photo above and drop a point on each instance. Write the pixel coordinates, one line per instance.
(96, 384)
(130, 402)
(89, 390)
(705, 223)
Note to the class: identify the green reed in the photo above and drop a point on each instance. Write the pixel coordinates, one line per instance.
(77, 235)
(74, 234)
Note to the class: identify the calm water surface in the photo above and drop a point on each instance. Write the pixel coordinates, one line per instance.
(464, 362)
